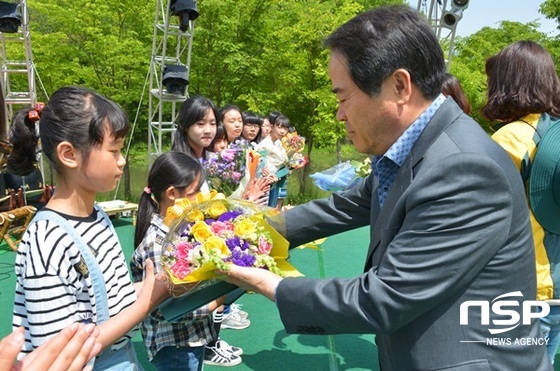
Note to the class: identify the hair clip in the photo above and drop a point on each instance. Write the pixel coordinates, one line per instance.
(39, 106)
(148, 190)
(35, 114)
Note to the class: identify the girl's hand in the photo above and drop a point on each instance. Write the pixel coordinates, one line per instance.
(154, 287)
(257, 189)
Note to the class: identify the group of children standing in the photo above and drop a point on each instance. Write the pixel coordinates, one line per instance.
(202, 131)
(70, 265)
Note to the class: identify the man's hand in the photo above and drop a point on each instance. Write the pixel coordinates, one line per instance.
(258, 280)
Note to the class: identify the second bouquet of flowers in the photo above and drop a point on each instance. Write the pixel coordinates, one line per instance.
(212, 232)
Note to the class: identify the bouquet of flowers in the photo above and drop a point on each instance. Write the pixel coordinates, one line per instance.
(225, 171)
(212, 232)
(293, 145)
(297, 161)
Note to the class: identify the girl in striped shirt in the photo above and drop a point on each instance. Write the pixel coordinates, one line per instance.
(70, 266)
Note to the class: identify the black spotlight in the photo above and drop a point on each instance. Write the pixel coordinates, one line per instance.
(175, 78)
(10, 17)
(186, 10)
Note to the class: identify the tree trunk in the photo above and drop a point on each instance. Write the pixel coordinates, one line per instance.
(127, 192)
(338, 151)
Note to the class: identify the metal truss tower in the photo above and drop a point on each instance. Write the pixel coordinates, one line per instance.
(17, 71)
(171, 56)
(444, 15)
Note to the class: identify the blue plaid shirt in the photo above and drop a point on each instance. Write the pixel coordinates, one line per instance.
(195, 329)
(385, 167)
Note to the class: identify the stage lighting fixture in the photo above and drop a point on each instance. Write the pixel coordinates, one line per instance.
(186, 11)
(451, 18)
(10, 17)
(175, 78)
(460, 4)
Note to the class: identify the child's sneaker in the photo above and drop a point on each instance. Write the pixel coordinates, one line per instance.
(215, 356)
(236, 308)
(223, 345)
(234, 321)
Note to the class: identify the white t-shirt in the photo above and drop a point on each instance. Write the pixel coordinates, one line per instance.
(276, 155)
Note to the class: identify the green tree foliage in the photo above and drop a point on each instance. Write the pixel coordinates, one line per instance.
(551, 9)
(263, 55)
(266, 55)
(104, 45)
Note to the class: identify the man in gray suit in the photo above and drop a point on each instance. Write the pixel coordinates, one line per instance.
(449, 278)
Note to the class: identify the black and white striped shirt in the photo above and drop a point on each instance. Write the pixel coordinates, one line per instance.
(53, 287)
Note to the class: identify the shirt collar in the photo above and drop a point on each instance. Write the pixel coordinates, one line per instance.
(400, 150)
(157, 221)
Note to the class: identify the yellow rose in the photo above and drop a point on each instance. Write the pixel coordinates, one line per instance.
(204, 196)
(201, 231)
(216, 243)
(216, 208)
(218, 196)
(183, 202)
(245, 228)
(195, 215)
(208, 196)
(172, 213)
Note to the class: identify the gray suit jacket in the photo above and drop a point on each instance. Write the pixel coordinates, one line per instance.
(454, 227)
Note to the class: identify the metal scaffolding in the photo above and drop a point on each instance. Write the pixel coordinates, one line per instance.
(17, 71)
(172, 46)
(444, 15)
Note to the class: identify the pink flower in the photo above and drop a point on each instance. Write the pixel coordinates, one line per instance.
(181, 268)
(221, 228)
(236, 176)
(264, 245)
(183, 249)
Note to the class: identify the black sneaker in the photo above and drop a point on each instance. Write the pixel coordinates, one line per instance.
(218, 357)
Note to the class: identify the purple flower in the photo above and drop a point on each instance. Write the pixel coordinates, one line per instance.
(236, 242)
(228, 154)
(242, 259)
(229, 215)
(227, 169)
(186, 231)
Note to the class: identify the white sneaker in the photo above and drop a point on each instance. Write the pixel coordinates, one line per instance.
(236, 308)
(223, 345)
(234, 321)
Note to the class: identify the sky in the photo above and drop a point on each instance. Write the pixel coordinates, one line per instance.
(481, 13)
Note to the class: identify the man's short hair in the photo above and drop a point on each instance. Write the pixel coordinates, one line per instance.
(377, 43)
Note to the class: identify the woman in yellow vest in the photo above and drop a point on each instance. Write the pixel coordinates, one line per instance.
(523, 100)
